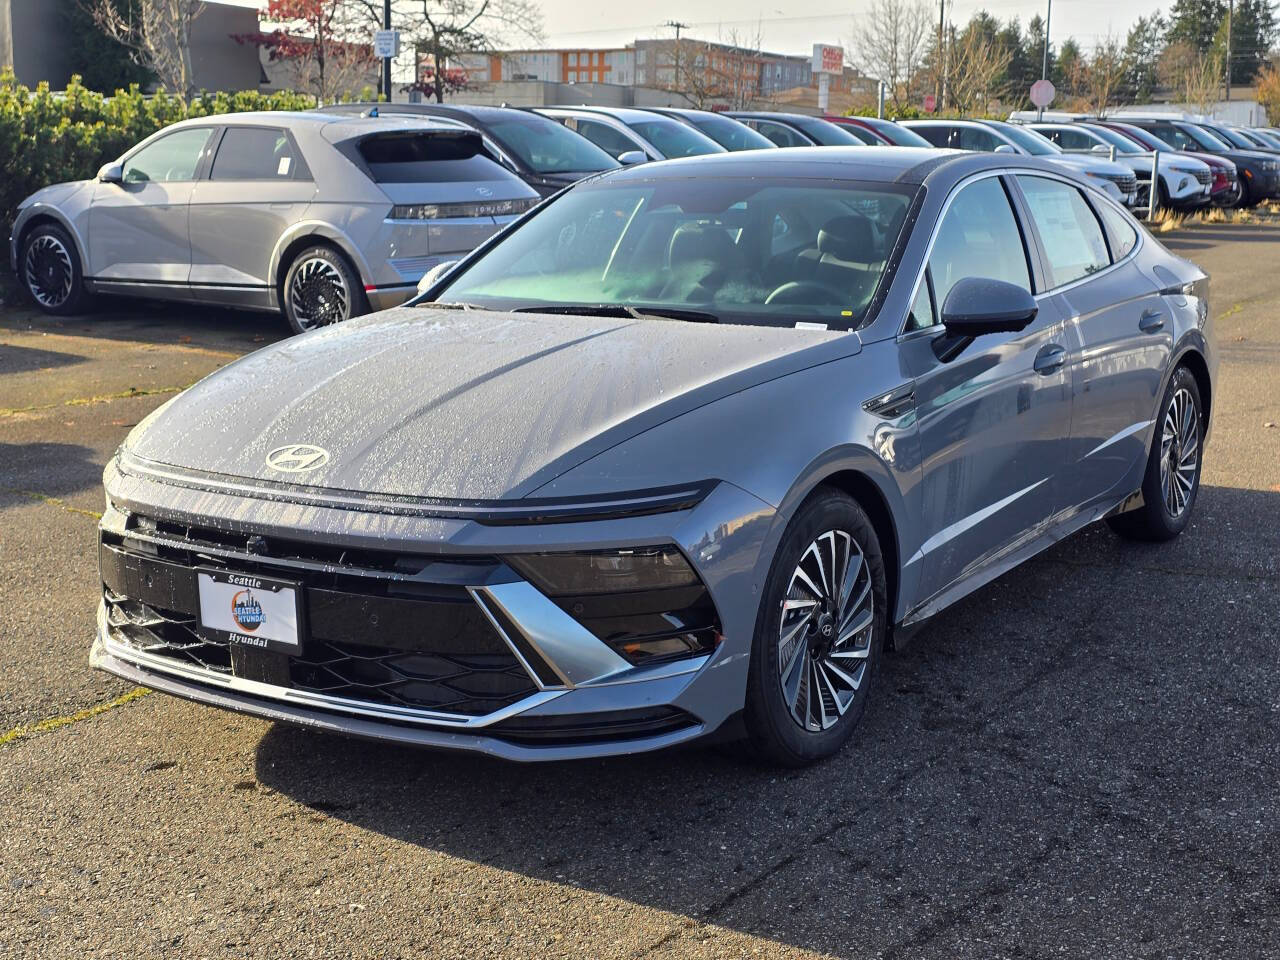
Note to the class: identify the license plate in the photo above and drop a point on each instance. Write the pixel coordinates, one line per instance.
(251, 610)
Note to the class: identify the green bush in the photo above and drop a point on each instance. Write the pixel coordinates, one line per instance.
(49, 137)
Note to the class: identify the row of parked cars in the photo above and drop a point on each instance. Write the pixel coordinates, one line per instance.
(330, 213)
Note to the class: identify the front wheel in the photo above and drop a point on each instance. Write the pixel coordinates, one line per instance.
(50, 270)
(819, 634)
(321, 288)
(1172, 477)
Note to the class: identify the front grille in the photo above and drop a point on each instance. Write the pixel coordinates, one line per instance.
(1127, 182)
(1204, 177)
(383, 629)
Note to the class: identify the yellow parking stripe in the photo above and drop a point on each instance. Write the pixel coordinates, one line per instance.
(53, 723)
(86, 401)
(53, 501)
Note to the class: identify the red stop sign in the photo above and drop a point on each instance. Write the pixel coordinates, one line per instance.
(1042, 93)
(930, 103)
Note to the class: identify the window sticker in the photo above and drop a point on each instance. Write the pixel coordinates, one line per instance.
(282, 169)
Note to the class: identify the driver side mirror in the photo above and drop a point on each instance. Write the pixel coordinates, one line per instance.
(435, 275)
(978, 305)
(1100, 150)
(1005, 148)
(111, 173)
(631, 157)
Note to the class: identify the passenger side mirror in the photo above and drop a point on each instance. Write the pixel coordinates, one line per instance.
(977, 306)
(1100, 150)
(631, 157)
(111, 173)
(435, 275)
(1005, 148)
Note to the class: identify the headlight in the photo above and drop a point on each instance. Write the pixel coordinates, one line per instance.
(647, 603)
(1190, 170)
(443, 211)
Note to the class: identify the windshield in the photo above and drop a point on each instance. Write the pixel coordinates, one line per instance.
(897, 134)
(545, 146)
(1203, 137)
(1265, 136)
(824, 133)
(736, 250)
(1149, 140)
(673, 138)
(1233, 138)
(730, 134)
(1028, 140)
(1122, 143)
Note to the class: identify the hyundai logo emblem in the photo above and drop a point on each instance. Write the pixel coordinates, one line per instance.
(484, 191)
(297, 458)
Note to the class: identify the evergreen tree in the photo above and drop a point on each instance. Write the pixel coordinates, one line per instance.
(1195, 23)
(1068, 68)
(1142, 50)
(1253, 30)
(1035, 46)
(103, 63)
(1023, 68)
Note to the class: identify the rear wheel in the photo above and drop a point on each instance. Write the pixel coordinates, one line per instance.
(1172, 478)
(819, 635)
(321, 288)
(50, 270)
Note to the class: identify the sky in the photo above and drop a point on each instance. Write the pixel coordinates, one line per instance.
(787, 28)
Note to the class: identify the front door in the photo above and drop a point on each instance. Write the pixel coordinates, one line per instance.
(138, 230)
(993, 419)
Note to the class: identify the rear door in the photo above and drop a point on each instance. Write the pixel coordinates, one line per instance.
(993, 419)
(607, 137)
(1120, 329)
(258, 186)
(138, 229)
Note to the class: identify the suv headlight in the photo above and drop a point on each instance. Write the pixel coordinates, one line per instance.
(647, 603)
(444, 211)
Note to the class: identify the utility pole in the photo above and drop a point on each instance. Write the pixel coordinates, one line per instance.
(1044, 62)
(386, 64)
(677, 26)
(937, 92)
(1231, 6)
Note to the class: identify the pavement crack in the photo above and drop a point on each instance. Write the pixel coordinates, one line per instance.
(56, 723)
(52, 501)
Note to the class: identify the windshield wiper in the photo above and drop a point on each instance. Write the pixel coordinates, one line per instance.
(622, 310)
(453, 305)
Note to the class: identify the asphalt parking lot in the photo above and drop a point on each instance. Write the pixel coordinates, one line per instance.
(1081, 760)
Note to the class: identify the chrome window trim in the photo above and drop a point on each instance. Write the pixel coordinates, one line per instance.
(1095, 197)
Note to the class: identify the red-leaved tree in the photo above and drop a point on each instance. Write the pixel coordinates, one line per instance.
(326, 43)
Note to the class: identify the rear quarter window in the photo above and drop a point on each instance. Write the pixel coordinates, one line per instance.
(445, 157)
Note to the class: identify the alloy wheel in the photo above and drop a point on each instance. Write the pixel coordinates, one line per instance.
(824, 641)
(1179, 452)
(48, 271)
(319, 294)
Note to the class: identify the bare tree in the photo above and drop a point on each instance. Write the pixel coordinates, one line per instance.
(889, 42)
(442, 30)
(738, 67)
(157, 34)
(976, 64)
(1105, 73)
(1195, 75)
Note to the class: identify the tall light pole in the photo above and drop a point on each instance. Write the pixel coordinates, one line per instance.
(1230, 10)
(1044, 61)
(386, 63)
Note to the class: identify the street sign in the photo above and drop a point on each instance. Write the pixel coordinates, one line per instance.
(930, 103)
(827, 59)
(1042, 93)
(386, 44)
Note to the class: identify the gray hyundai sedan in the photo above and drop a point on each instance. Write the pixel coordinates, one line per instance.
(679, 455)
(322, 217)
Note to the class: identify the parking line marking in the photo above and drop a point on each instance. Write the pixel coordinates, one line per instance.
(52, 501)
(55, 723)
(87, 401)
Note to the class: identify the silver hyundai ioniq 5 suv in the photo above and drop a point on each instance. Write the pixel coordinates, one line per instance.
(676, 455)
(323, 217)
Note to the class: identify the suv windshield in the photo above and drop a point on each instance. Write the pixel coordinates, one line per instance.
(1122, 143)
(546, 146)
(672, 138)
(896, 133)
(1203, 137)
(730, 134)
(825, 133)
(737, 250)
(1028, 140)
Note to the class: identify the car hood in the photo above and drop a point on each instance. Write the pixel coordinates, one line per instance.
(1092, 164)
(432, 402)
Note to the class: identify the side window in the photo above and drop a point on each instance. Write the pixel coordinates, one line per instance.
(921, 315)
(171, 158)
(254, 153)
(605, 137)
(1072, 140)
(975, 138)
(938, 136)
(1071, 235)
(979, 237)
(782, 135)
(1120, 232)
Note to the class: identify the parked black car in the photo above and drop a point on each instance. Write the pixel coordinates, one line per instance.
(1259, 172)
(544, 154)
(797, 130)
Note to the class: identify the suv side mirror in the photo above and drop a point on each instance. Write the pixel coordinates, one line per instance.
(111, 172)
(977, 306)
(631, 157)
(435, 275)
(1100, 150)
(1005, 148)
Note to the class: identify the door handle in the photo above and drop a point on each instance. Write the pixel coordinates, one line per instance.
(1152, 320)
(1050, 358)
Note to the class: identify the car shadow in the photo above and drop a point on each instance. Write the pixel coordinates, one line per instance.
(990, 742)
(49, 469)
(18, 359)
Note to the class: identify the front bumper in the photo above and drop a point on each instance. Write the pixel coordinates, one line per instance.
(579, 698)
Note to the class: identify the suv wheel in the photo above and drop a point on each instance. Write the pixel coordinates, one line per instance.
(50, 270)
(321, 288)
(819, 635)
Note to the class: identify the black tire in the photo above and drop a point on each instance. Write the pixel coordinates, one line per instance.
(776, 733)
(321, 288)
(50, 271)
(1165, 512)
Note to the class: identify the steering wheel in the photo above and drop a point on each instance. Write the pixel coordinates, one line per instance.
(806, 291)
